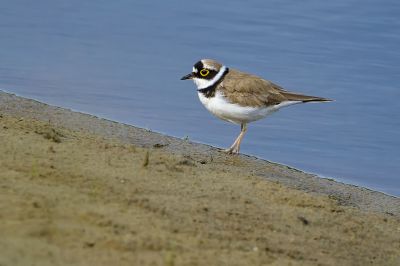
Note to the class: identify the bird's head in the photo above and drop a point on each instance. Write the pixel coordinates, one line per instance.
(206, 73)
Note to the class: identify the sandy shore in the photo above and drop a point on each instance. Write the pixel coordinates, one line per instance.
(75, 189)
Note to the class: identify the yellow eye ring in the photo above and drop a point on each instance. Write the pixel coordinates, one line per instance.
(204, 72)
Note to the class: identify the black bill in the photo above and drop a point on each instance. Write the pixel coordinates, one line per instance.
(188, 76)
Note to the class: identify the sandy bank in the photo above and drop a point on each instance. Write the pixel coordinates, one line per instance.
(75, 189)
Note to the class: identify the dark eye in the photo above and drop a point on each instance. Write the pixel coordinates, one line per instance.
(204, 72)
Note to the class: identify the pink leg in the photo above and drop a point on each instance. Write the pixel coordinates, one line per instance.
(234, 149)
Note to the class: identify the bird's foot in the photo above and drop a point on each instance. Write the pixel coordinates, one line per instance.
(232, 150)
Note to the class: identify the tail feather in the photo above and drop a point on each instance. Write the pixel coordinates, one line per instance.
(303, 98)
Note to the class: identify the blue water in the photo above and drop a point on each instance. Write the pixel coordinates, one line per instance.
(122, 60)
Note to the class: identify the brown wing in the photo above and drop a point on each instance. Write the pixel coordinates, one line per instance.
(249, 90)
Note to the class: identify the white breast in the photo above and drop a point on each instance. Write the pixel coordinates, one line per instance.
(220, 107)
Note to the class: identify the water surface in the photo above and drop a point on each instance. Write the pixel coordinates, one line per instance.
(122, 60)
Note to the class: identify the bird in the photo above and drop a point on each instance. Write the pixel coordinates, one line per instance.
(239, 97)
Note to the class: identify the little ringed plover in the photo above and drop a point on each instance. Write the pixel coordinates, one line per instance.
(239, 97)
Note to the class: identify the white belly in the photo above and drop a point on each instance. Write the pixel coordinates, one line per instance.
(235, 113)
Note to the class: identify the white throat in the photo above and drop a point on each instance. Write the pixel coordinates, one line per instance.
(205, 83)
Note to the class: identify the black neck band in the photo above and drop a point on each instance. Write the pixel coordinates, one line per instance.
(210, 90)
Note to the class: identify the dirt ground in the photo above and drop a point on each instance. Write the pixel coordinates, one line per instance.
(69, 197)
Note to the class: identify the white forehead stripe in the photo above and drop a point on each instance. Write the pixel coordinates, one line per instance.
(195, 70)
(204, 83)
